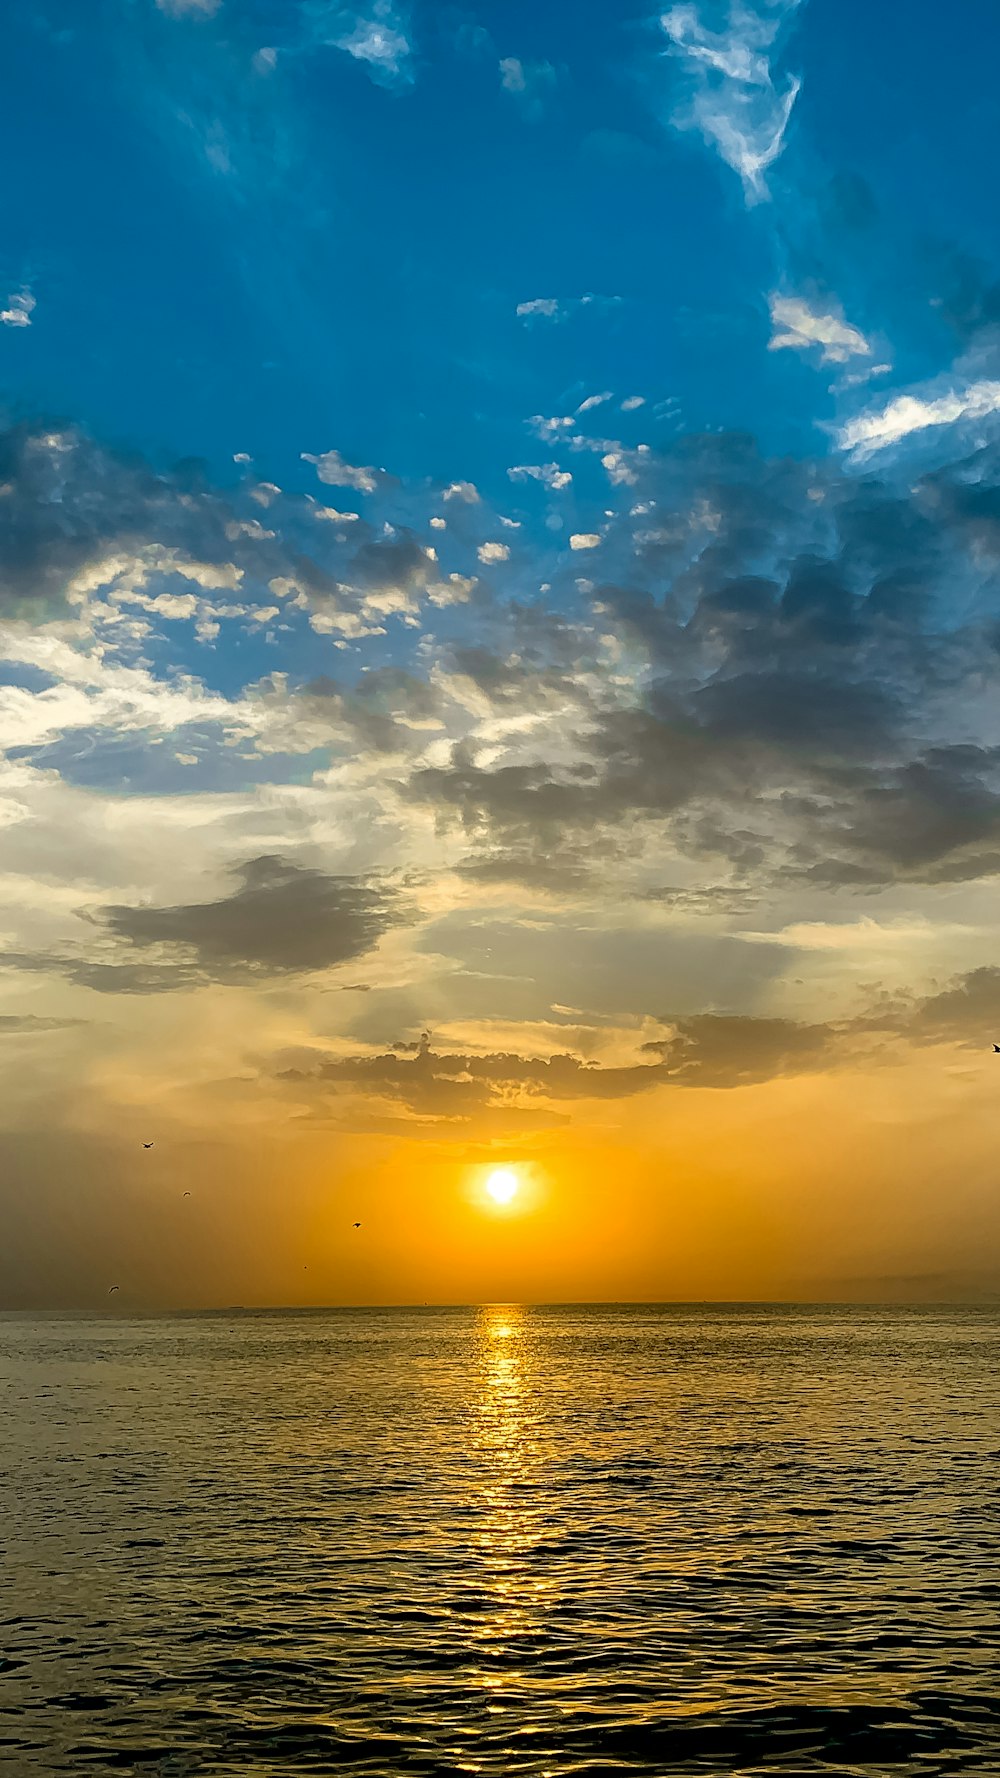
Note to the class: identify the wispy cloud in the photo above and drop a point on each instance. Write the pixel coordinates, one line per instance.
(733, 99)
(801, 328)
(560, 308)
(189, 8)
(549, 474)
(376, 35)
(19, 310)
(908, 414)
(529, 83)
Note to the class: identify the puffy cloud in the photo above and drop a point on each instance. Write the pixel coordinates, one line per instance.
(493, 552)
(19, 310)
(584, 540)
(799, 328)
(733, 99)
(333, 469)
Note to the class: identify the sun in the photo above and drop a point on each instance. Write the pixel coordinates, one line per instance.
(503, 1185)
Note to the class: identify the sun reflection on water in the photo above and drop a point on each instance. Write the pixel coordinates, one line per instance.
(510, 1456)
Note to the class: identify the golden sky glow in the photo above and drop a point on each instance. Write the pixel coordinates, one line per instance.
(493, 715)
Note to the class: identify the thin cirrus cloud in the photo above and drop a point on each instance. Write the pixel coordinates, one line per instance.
(798, 327)
(732, 97)
(189, 8)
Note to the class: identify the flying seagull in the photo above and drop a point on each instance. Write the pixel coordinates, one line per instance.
(147, 1145)
(113, 1289)
(357, 1225)
(996, 1049)
(185, 1194)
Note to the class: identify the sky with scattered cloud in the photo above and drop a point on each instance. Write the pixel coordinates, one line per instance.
(499, 651)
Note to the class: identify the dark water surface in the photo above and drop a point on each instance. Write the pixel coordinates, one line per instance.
(547, 1541)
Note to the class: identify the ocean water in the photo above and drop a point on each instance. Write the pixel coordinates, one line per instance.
(501, 1541)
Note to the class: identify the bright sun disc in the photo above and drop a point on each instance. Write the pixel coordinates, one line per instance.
(502, 1185)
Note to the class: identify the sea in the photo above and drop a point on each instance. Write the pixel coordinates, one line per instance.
(561, 1541)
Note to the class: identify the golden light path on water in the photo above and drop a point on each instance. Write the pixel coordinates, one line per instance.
(512, 1454)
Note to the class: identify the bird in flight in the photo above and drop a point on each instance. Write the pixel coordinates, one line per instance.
(147, 1145)
(996, 1049)
(114, 1288)
(185, 1194)
(357, 1225)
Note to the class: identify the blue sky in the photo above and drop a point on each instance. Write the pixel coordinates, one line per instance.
(228, 255)
(499, 615)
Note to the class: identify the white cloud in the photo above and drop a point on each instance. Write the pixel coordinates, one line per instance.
(631, 402)
(549, 427)
(800, 328)
(332, 469)
(19, 309)
(584, 540)
(377, 36)
(594, 401)
(549, 474)
(559, 308)
(493, 552)
(439, 524)
(733, 100)
(466, 491)
(907, 414)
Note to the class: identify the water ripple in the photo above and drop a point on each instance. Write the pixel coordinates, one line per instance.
(565, 1543)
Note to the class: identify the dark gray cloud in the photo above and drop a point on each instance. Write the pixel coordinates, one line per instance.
(815, 644)
(708, 1050)
(282, 919)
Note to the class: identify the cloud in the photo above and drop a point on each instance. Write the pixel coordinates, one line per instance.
(584, 540)
(732, 98)
(461, 1087)
(189, 8)
(19, 310)
(282, 919)
(336, 472)
(561, 308)
(493, 552)
(593, 401)
(906, 415)
(799, 328)
(528, 83)
(376, 35)
(549, 474)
